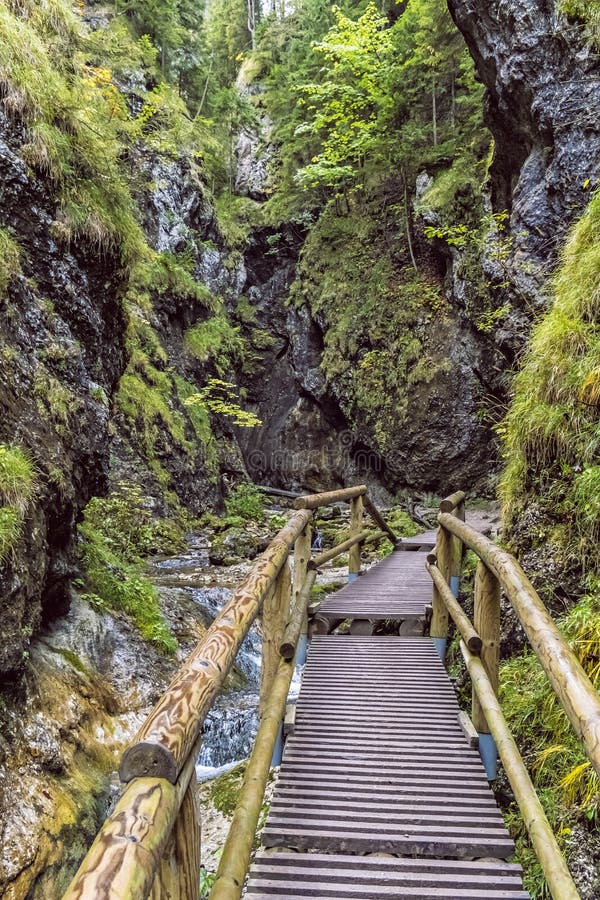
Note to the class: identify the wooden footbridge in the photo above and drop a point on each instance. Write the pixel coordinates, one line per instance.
(382, 791)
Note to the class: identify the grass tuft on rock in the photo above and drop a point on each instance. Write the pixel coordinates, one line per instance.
(10, 256)
(117, 532)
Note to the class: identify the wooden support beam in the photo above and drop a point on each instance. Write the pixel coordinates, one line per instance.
(468, 729)
(297, 618)
(164, 742)
(302, 549)
(542, 837)
(275, 615)
(178, 875)
(487, 625)
(356, 518)
(125, 857)
(344, 495)
(328, 555)
(573, 688)
(458, 615)
(443, 555)
(378, 519)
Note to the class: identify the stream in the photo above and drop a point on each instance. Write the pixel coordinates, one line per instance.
(230, 727)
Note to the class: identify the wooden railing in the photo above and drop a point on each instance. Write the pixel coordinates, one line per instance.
(480, 646)
(149, 846)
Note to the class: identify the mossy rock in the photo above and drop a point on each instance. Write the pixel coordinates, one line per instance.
(225, 790)
(234, 545)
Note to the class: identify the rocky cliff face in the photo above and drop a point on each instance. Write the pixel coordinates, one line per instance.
(62, 333)
(543, 99)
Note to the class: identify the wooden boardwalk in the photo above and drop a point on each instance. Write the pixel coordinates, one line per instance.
(380, 793)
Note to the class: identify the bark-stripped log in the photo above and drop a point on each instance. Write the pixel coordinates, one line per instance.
(449, 504)
(356, 517)
(164, 741)
(365, 537)
(486, 619)
(126, 855)
(460, 618)
(570, 683)
(443, 557)
(542, 837)
(378, 518)
(178, 875)
(297, 618)
(344, 495)
(275, 614)
(235, 857)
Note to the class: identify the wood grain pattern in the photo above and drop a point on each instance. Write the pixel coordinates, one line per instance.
(235, 857)
(164, 741)
(275, 615)
(356, 518)
(313, 501)
(124, 858)
(449, 504)
(178, 875)
(570, 683)
(302, 549)
(542, 837)
(487, 624)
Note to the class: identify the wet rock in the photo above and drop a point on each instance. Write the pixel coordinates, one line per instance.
(62, 331)
(542, 107)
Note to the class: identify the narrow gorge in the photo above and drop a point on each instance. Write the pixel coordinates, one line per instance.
(293, 245)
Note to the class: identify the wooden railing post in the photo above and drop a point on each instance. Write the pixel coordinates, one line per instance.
(275, 614)
(178, 873)
(486, 620)
(449, 553)
(356, 517)
(301, 561)
(439, 616)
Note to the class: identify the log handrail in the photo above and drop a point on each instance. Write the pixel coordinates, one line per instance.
(498, 570)
(154, 820)
(163, 743)
(571, 685)
(314, 501)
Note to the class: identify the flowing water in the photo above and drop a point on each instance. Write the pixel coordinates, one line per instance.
(230, 727)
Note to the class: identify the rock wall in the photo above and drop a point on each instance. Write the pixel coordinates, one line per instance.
(62, 334)
(543, 101)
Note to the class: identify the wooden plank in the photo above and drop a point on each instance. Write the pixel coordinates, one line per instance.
(356, 518)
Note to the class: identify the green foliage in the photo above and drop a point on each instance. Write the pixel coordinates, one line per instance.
(562, 774)
(220, 398)
(9, 260)
(216, 340)
(17, 477)
(246, 501)
(343, 106)
(157, 274)
(11, 529)
(377, 310)
(552, 432)
(586, 12)
(75, 117)
(116, 532)
(18, 484)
